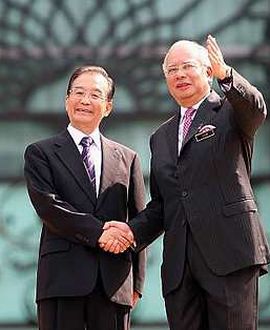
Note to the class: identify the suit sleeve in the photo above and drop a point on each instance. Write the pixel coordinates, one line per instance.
(58, 216)
(248, 104)
(136, 203)
(148, 224)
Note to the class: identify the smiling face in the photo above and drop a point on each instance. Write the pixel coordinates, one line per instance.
(87, 102)
(187, 74)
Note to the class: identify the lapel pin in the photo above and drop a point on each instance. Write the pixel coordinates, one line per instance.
(205, 132)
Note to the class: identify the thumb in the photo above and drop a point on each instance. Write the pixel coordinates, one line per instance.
(110, 224)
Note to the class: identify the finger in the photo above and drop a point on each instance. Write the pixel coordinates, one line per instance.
(114, 223)
(135, 298)
(126, 236)
(212, 42)
(122, 250)
(104, 238)
(213, 46)
(213, 51)
(216, 51)
(126, 240)
(111, 224)
(115, 247)
(106, 225)
(214, 58)
(108, 244)
(122, 246)
(120, 225)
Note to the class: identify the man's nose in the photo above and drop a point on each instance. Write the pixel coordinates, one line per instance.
(86, 99)
(180, 73)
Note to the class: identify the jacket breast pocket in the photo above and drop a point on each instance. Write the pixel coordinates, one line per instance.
(54, 246)
(244, 206)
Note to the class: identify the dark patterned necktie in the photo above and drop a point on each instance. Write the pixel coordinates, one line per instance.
(187, 120)
(86, 143)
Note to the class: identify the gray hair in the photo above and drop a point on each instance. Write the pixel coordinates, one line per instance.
(202, 53)
(93, 69)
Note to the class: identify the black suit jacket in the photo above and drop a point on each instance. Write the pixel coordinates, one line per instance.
(72, 216)
(207, 186)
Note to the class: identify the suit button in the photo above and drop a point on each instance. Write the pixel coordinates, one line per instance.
(79, 236)
(184, 193)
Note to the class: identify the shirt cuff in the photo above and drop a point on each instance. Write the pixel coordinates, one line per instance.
(226, 83)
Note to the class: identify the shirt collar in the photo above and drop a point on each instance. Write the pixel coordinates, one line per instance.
(195, 106)
(77, 135)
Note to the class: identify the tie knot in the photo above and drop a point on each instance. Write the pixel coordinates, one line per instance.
(86, 141)
(189, 112)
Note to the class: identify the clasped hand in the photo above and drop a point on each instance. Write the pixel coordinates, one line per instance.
(116, 237)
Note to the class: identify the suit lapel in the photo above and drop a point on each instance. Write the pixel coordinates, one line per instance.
(111, 156)
(204, 115)
(69, 155)
(172, 136)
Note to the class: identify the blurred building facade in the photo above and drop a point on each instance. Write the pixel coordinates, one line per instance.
(41, 42)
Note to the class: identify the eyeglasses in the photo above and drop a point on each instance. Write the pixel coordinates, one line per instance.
(187, 67)
(81, 93)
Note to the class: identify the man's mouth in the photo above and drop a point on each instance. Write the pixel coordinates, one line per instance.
(82, 110)
(182, 85)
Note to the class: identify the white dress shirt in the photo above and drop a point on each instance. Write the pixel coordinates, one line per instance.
(95, 151)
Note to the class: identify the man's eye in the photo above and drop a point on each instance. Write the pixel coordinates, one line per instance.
(172, 70)
(188, 66)
(95, 96)
(79, 93)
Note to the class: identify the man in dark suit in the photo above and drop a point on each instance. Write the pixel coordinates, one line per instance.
(77, 181)
(214, 244)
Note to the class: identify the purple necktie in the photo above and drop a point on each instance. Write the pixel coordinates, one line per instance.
(187, 121)
(86, 143)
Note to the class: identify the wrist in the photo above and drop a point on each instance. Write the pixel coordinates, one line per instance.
(226, 73)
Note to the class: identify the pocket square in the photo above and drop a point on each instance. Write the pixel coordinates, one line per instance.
(206, 128)
(205, 132)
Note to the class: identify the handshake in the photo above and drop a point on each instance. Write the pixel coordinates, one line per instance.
(117, 237)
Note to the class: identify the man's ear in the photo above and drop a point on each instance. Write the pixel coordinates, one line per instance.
(66, 102)
(109, 107)
(209, 72)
